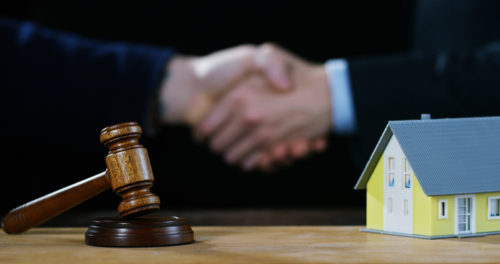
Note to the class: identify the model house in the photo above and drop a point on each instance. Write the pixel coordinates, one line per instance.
(434, 178)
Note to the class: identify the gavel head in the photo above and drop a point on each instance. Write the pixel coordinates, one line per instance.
(129, 170)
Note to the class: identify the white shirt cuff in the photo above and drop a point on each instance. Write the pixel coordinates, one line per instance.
(343, 114)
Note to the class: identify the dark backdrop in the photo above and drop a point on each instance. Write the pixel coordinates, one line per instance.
(187, 174)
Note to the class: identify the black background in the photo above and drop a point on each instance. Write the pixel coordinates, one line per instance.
(187, 174)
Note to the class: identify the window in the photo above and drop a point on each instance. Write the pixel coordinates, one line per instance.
(443, 209)
(390, 171)
(405, 212)
(494, 207)
(406, 174)
(389, 205)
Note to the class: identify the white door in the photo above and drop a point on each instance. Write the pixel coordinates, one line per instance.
(465, 218)
(398, 190)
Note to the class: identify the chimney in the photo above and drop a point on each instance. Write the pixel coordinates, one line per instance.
(425, 116)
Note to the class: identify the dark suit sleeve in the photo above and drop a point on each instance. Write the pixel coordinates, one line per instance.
(63, 87)
(404, 86)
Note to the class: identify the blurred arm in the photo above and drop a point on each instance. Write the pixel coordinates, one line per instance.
(56, 78)
(402, 86)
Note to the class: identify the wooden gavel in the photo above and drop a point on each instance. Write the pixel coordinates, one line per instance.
(128, 173)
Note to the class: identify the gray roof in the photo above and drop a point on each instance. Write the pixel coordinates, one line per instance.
(448, 156)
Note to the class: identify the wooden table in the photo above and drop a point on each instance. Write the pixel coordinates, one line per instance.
(269, 244)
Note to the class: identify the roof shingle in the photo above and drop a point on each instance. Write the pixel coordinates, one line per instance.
(448, 156)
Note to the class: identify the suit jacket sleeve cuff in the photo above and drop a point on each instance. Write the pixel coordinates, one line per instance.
(342, 104)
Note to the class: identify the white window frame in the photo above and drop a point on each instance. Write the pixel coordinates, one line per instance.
(490, 199)
(441, 214)
(391, 171)
(389, 205)
(406, 172)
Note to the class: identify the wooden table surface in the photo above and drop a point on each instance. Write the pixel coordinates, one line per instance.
(269, 244)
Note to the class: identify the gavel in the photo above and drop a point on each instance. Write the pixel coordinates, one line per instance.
(128, 173)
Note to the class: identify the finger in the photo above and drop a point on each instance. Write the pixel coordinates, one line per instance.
(222, 68)
(213, 120)
(278, 152)
(251, 162)
(288, 151)
(298, 148)
(278, 74)
(287, 132)
(288, 158)
(284, 132)
(284, 159)
(256, 138)
(230, 131)
(200, 106)
(265, 162)
(220, 113)
(273, 64)
(290, 148)
(300, 144)
(319, 144)
(261, 142)
(239, 125)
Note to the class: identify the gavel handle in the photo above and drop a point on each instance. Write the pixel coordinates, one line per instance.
(38, 211)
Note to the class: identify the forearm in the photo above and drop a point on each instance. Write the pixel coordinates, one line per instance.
(67, 79)
(403, 86)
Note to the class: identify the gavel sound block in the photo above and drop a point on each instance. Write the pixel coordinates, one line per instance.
(129, 174)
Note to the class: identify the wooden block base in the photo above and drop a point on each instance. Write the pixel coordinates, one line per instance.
(145, 231)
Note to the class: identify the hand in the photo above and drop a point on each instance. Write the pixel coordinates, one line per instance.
(194, 84)
(252, 125)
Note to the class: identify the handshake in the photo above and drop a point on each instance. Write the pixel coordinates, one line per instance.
(259, 106)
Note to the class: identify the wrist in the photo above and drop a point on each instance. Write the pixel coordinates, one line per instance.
(177, 90)
(320, 79)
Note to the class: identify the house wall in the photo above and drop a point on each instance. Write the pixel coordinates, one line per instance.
(482, 222)
(425, 208)
(398, 197)
(421, 210)
(426, 218)
(442, 226)
(375, 198)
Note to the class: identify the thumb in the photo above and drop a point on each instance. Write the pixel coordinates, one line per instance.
(278, 74)
(275, 68)
(217, 71)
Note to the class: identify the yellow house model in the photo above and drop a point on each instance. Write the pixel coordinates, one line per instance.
(435, 178)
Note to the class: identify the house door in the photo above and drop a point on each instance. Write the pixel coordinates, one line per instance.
(464, 216)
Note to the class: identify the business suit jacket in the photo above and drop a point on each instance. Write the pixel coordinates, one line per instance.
(58, 91)
(453, 71)
(64, 88)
